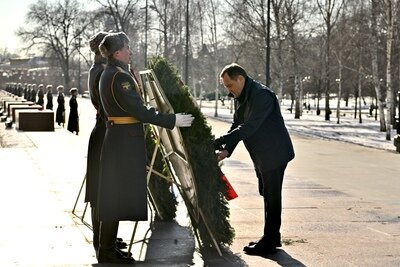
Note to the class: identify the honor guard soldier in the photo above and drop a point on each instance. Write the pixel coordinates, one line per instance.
(40, 95)
(33, 93)
(122, 191)
(49, 96)
(27, 94)
(60, 113)
(96, 136)
(73, 118)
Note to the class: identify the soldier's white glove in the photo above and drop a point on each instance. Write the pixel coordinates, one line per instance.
(183, 120)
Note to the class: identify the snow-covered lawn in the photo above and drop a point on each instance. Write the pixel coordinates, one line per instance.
(349, 130)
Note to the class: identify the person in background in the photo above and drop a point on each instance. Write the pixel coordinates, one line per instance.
(40, 95)
(27, 95)
(49, 96)
(122, 191)
(258, 122)
(73, 118)
(60, 112)
(24, 94)
(33, 93)
(20, 90)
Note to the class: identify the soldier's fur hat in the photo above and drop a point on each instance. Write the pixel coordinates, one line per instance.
(112, 42)
(95, 41)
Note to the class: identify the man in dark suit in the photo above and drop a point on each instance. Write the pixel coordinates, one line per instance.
(259, 124)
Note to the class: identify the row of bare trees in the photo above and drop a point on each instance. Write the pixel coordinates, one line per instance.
(319, 48)
(325, 47)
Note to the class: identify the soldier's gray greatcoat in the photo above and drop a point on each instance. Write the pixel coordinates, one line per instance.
(97, 134)
(122, 185)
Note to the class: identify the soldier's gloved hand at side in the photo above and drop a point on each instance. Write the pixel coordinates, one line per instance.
(183, 120)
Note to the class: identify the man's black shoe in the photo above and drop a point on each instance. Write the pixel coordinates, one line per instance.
(259, 249)
(277, 244)
(113, 256)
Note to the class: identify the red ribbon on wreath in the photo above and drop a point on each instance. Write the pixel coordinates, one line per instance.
(230, 192)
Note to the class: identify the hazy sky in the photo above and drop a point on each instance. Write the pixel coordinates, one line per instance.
(12, 16)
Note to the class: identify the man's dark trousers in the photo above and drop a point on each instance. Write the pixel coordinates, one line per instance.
(270, 187)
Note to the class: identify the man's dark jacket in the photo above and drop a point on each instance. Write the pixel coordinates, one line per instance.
(259, 124)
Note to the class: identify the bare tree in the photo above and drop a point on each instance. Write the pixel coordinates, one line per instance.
(291, 19)
(55, 28)
(330, 10)
(251, 17)
(5, 54)
(278, 13)
(121, 14)
(374, 63)
(389, 7)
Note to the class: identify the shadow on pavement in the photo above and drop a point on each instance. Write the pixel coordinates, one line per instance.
(282, 258)
(170, 244)
(173, 245)
(228, 259)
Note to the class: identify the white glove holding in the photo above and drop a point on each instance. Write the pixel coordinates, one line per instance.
(183, 120)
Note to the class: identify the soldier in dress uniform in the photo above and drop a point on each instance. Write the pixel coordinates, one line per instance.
(20, 89)
(122, 191)
(40, 95)
(27, 96)
(97, 135)
(73, 118)
(33, 93)
(60, 113)
(49, 96)
(25, 89)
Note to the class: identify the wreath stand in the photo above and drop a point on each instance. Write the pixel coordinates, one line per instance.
(173, 151)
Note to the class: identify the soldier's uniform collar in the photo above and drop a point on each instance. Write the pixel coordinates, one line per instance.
(118, 64)
(99, 59)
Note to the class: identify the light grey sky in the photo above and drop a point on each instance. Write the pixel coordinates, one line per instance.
(12, 16)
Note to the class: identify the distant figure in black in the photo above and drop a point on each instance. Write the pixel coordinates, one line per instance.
(27, 94)
(49, 96)
(33, 93)
(73, 118)
(40, 95)
(20, 90)
(60, 113)
(25, 89)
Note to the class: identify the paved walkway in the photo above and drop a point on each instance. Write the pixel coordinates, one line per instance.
(341, 207)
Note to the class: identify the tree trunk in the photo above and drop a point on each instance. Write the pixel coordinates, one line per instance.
(359, 88)
(339, 88)
(276, 5)
(297, 97)
(389, 42)
(374, 57)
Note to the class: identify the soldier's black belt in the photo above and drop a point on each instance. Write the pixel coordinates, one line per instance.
(122, 120)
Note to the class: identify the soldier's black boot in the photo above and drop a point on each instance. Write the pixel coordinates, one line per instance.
(112, 256)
